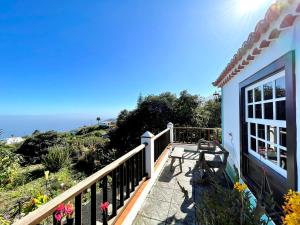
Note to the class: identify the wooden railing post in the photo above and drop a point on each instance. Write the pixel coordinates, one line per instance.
(147, 139)
(171, 126)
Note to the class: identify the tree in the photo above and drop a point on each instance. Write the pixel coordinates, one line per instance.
(122, 116)
(153, 112)
(98, 119)
(140, 100)
(185, 111)
(213, 108)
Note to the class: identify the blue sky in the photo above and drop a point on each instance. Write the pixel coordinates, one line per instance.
(96, 56)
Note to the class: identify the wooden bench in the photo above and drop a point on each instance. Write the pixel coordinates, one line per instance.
(177, 153)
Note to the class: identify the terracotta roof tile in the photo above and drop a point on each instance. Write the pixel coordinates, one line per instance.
(288, 21)
(250, 57)
(256, 51)
(272, 14)
(245, 62)
(274, 34)
(262, 26)
(240, 67)
(264, 44)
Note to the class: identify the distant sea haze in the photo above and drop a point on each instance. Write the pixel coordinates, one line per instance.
(26, 125)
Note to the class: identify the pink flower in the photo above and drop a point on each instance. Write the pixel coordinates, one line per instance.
(58, 216)
(69, 209)
(104, 206)
(60, 208)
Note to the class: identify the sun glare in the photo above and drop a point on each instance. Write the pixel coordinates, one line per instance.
(248, 6)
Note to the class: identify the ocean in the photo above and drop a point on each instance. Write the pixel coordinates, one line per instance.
(26, 125)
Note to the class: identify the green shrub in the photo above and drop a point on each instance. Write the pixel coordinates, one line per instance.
(89, 129)
(57, 158)
(10, 170)
(38, 144)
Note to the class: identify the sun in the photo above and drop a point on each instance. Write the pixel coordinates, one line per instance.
(249, 6)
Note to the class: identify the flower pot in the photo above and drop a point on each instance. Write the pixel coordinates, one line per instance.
(70, 221)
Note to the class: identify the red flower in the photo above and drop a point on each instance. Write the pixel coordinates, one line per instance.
(58, 216)
(60, 208)
(104, 206)
(69, 209)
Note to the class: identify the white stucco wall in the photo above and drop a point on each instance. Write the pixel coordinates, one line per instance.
(288, 40)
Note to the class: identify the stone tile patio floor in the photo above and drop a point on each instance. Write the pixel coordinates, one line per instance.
(172, 198)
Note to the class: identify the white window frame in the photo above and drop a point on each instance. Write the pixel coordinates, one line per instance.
(271, 122)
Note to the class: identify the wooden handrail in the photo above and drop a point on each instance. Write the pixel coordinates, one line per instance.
(47, 209)
(198, 128)
(161, 133)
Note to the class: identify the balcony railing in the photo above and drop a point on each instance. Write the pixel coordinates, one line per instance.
(130, 166)
(193, 134)
(161, 141)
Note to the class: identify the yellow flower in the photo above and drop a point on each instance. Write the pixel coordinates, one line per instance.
(291, 208)
(46, 175)
(240, 187)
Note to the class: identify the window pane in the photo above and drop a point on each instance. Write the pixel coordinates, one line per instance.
(272, 153)
(261, 131)
(250, 96)
(258, 113)
(252, 129)
(283, 157)
(268, 91)
(257, 92)
(268, 107)
(272, 134)
(280, 87)
(280, 110)
(282, 136)
(250, 111)
(261, 148)
(253, 144)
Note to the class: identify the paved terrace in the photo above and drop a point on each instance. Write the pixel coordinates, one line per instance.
(172, 198)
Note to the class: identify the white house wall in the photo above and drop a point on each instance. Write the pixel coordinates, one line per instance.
(288, 40)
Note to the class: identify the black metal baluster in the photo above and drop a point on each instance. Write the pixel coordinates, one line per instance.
(54, 219)
(136, 172)
(121, 185)
(78, 207)
(104, 199)
(140, 169)
(104, 188)
(114, 193)
(93, 204)
(132, 173)
(155, 149)
(127, 179)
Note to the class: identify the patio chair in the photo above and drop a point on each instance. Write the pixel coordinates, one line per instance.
(206, 145)
(213, 163)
